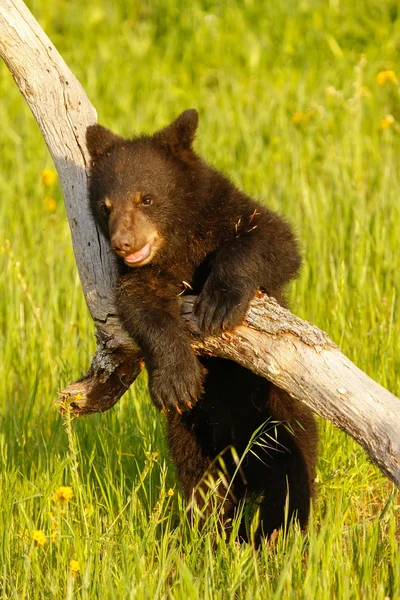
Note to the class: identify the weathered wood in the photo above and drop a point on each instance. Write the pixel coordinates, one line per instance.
(301, 359)
(63, 113)
(293, 354)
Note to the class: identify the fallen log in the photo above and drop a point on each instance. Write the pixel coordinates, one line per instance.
(272, 342)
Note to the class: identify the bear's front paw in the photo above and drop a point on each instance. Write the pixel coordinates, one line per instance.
(177, 385)
(220, 310)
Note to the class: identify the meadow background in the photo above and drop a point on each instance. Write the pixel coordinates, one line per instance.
(299, 103)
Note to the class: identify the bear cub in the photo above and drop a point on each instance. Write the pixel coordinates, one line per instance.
(180, 226)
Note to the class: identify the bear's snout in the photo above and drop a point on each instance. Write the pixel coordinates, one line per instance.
(122, 244)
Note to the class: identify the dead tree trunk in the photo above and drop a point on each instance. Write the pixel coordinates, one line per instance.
(63, 112)
(274, 343)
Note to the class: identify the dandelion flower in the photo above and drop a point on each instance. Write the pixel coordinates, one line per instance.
(63, 495)
(53, 537)
(38, 537)
(298, 117)
(301, 117)
(384, 77)
(387, 122)
(50, 203)
(74, 567)
(170, 492)
(48, 177)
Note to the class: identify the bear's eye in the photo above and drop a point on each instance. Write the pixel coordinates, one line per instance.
(147, 200)
(105, 209)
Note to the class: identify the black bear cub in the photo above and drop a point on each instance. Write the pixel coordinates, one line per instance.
(177, 225)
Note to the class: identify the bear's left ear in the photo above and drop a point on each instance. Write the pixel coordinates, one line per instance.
(181, 133)
(99, 140)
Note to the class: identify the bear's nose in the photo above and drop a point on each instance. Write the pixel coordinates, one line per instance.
(121, 245)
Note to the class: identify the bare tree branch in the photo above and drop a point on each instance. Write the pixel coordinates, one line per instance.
(301, 359)
(291, 353)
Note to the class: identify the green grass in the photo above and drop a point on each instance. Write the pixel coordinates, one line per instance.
(248, 67)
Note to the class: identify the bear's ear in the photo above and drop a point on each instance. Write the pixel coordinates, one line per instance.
(99, 140)
(179, 135)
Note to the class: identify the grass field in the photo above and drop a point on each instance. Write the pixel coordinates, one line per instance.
(299, 103)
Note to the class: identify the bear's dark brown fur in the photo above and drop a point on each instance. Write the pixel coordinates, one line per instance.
(177, 225)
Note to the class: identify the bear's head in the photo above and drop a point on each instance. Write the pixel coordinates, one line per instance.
(140, 189)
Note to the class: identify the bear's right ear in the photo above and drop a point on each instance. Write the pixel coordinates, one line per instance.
(99, 140)
(179, 135)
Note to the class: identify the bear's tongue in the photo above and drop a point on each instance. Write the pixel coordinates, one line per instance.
(138, 256)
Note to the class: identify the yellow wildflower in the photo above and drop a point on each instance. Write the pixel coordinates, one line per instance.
(38, 537)
(387, 122)
(74, 567)
(299, 117)
(48, 176)
(302, 117)
(50, 203)
(53, 537)
(170, 492)
(384, 77)
(63, 495)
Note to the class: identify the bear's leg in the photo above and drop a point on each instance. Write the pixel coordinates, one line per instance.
(287, 494)
(289, 480)
(204, 479)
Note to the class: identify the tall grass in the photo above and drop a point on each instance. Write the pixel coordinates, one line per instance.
(290, 107)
